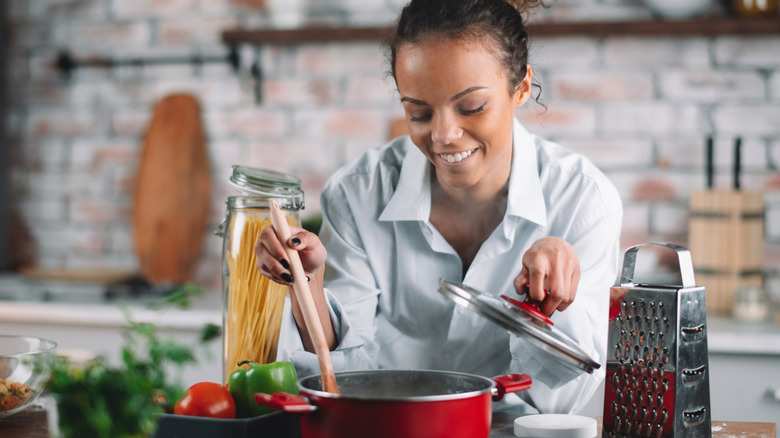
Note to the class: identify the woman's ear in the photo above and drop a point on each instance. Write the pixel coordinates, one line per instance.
(523, 90)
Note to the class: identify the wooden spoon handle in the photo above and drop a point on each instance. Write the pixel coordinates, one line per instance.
(305, 300)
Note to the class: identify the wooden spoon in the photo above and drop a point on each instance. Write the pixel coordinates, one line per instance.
(305, 300)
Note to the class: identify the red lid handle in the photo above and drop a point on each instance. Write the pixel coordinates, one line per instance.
(531, 307)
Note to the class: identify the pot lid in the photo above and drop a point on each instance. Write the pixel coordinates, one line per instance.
(522, 320)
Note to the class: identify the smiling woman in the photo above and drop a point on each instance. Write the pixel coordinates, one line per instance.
(468, 196)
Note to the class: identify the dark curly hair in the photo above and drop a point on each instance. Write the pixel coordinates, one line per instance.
(501, 21)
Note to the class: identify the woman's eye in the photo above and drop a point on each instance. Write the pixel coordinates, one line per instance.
(475, 110)
(420, 118)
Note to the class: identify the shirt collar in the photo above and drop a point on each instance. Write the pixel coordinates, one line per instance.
(412, 200)
(525, 198)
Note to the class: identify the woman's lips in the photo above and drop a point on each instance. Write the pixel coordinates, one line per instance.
(457, 157)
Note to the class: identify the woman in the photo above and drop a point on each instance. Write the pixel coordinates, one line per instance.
(469, 196)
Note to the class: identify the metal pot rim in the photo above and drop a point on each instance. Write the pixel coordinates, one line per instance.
(490, 384)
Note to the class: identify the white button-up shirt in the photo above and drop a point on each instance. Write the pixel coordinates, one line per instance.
(385, 259)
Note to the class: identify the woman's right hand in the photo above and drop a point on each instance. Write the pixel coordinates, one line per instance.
(272, 259)
(272, 262)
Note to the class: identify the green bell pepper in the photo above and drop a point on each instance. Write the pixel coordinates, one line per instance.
(267, 378)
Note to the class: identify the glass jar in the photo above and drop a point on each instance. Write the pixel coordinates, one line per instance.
(756, 8)
(750, 304)
(252, 304)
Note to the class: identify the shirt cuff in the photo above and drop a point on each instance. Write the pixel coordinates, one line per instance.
(533, 360)
(349, 354)
(556, 388)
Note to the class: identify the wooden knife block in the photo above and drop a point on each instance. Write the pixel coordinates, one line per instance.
(726, 240)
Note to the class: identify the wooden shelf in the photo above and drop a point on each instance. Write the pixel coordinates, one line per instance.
(305, 35)
(698, 27)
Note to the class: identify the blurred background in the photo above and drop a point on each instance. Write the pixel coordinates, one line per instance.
(637, 86)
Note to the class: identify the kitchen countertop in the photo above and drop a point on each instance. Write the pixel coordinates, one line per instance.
(32, 423)
(110, 314)
(730, 336)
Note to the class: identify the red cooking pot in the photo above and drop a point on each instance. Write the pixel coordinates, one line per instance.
(397, 403)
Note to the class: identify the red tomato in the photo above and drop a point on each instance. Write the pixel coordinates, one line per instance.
(206, 399)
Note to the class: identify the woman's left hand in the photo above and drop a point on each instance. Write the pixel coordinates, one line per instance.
(550, 274)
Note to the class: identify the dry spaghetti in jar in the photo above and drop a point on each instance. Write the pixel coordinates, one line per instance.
(253, 304)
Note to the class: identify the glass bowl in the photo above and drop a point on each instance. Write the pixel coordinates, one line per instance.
(25, 366)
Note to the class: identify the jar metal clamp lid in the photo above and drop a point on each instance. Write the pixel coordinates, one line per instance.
(258, 186)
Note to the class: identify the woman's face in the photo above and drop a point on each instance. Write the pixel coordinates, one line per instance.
(459, 109)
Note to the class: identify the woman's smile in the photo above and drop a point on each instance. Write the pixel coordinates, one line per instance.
(457, 158)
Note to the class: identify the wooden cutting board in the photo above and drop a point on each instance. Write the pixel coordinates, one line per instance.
(172, 192)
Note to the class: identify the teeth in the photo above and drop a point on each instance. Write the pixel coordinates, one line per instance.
(454, 158)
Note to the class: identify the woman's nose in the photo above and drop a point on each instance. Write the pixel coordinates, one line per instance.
(445, 130)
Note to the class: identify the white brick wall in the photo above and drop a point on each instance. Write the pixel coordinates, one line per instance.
(639, 107)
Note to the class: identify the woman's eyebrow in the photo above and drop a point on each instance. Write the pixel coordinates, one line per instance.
(414, 101)
(465, 92)
(452, 99)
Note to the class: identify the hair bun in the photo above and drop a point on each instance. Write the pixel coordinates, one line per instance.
(525, 6)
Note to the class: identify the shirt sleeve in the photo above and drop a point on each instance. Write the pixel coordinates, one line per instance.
(353, 311)
(558, 388)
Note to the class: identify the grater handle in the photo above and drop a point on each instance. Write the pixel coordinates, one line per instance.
(683, 256)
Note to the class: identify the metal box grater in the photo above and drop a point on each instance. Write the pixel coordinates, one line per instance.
(657, 377)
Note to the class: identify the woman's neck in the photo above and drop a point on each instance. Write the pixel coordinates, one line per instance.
(466, 217)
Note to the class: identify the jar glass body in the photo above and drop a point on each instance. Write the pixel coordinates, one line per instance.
(756, 8)
(252, 304)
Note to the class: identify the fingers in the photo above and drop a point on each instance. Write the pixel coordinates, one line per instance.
(310, 249)
(271, 258)
(551, 271)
